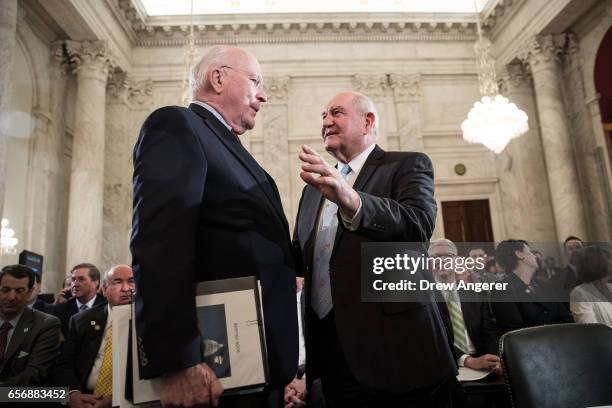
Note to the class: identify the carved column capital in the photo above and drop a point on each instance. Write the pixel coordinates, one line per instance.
(90, 58)
(542, 49)
(514, 77)
(373, 86)
(406, 87)
(277, 89)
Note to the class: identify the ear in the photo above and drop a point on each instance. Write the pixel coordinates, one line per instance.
(216, 78)
(370, 118)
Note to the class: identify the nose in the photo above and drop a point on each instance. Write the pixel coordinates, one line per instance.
(261, 95)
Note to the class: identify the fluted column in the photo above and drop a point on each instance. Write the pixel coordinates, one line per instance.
(276, 143)
(521, 169)
(8, 27)
(91, 62)
(407, 97)
(128, 102)
(542, 54)
(375, 87)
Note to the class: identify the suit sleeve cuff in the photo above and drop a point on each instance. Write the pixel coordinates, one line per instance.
(352, 224)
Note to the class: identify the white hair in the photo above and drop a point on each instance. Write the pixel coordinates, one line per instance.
(215, 57)
(442, 242)
(364, 105)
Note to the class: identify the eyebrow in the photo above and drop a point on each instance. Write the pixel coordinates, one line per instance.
(331, 108)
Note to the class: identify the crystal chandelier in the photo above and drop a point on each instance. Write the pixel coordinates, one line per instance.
(493, 121)
(8, 242)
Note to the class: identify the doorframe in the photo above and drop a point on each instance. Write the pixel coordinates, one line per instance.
(495, 211)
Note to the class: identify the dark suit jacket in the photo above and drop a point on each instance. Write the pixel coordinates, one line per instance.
(32, 350)
(518, 307)
(205, 210)
(479, 323)
(64, 311)
(381, 341)
(81, 348)
(43, 306)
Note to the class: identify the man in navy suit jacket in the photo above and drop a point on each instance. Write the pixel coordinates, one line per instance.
(204, 209)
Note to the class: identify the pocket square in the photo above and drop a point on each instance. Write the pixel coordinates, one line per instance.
(23, 354)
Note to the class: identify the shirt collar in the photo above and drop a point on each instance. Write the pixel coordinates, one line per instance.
(89, 304)
(214, 112)
(14, 321)
(358, 162)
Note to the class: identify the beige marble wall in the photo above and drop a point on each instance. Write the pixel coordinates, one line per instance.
(421, 76)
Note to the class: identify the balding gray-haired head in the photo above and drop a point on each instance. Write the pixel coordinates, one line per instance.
(442, 242)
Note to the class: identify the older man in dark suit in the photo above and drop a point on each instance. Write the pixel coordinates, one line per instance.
(85, 365)
(367, 354)
(29, 339)
(204, 209)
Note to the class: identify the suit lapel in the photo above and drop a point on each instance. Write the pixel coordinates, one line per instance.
(20, 333)
(235, 147)
(309, 215)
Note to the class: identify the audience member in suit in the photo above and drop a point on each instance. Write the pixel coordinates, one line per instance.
(35, 302)
(474, 331)
(364, 352)
(591, 301)
(548, 270)
(204, 209)
(85, 364)
(567, 278)
(29, 339)
(525, 302)
(85, 281)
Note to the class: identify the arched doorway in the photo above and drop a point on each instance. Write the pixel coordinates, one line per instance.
(603, 85)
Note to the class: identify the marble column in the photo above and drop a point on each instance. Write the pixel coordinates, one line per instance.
(126, 98)
(91, 63)
(276, 143)
(375, 87)
(407, 97)
(44, 209)
(521, 169)
(591, 168)
(8, 29)
(542, 55)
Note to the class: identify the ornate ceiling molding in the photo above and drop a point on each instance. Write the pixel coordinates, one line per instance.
(288, 28)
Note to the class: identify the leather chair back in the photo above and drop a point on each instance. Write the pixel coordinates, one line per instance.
(559, 365)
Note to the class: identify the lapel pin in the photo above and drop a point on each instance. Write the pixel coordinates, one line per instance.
(26, 329)
(93, 322)
(97, 327)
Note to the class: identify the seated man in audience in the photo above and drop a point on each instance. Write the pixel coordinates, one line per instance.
(85, 281)
(29, 339)
(85, 365)
(468, 313)
(477, 273)
(567, 278)
(525, 302)
(34, 301)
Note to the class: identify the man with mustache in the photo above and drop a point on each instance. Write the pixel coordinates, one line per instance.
(366, 354)
(204, 209)
(85, 364)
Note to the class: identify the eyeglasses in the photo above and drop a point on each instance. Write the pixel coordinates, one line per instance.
(257, 81)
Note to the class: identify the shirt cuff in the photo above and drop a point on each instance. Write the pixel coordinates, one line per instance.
(461, 360)
(352, 224)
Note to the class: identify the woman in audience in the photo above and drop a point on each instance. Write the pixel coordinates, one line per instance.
(524, 302)
(591, 302)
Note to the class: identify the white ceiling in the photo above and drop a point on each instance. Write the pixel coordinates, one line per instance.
(203, 7)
